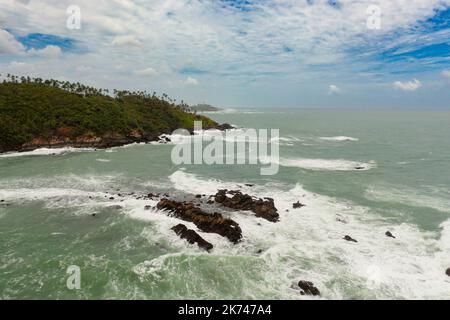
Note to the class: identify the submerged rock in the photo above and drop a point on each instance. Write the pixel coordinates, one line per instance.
(263, 208)
(308, 288)
(389, 234)
(191, 236)
(298, 205)
(211, 223)
(447, 272)
(348, 238)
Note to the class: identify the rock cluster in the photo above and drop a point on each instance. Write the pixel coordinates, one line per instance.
(263, 208)
(210, 223)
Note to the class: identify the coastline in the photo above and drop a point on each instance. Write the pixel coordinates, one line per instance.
(98, 142)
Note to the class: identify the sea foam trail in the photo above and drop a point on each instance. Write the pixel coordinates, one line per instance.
(322, 164)
(44, 152)
(307, 244)
(339, 138)
(409, 196)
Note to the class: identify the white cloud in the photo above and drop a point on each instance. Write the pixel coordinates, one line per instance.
(407, 85)
(191, 81)
(446, 73)
(8, 44)
(127, 41)
(231, 47)
(146, 72)
(334, 90)
(49, 51)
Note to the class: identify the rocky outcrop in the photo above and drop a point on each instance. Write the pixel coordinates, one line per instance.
(348, 238)
(191, 236)
(263, 208)
(308, 288)
(211, 223)
(88, 140)
(65, 137)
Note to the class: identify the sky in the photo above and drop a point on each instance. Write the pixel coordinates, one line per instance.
(239, 53)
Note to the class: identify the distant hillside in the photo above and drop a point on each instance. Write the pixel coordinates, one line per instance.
(203, 107)
(48, 113)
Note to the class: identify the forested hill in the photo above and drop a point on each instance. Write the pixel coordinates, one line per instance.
(49, 113)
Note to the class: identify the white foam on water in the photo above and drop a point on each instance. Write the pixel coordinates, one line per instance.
(83, 194)
(339, 138)
(322, 164)
(308, 244)
(408, 196)
(45, 152)
(221, 111)
(103, 160)
(85, 182)
(230, 135)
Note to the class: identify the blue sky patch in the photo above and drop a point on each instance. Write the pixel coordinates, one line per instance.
(41, 40)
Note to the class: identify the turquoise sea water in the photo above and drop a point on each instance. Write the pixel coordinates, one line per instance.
(124, 251)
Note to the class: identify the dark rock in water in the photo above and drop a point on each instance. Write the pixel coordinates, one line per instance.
(259, 251)
(4, 200)
(298, 205)
(198, 196)
(389, 234)
(447, 272)
(209, 202)
(147, 207)
(308, 288)
(111, 198)
(239, 201)
(225, 126)
(152, 195)
(191, 236)
(93, 214)
(348, 238)
(359, 168)
(249, 185)
(211, 223)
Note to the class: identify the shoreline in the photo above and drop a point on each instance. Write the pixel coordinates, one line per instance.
(96, 142)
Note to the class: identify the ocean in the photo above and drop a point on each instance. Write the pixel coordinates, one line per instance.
(80, 207)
